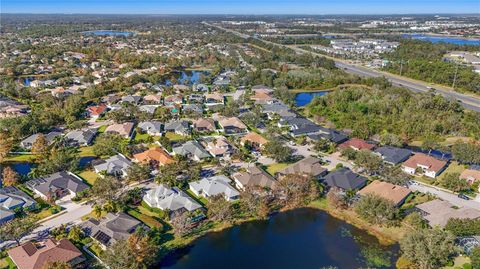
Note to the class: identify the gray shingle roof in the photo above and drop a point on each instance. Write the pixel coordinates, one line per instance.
(345, 179)
(170, 198)
(57, 181)
(191, 148)
(393, 155)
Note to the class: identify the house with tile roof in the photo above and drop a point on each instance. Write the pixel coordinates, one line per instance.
(357, 144)
(216, 185)
(32, 255)
(116, 165)
(254, 139)
(232, 125)
(57, 185)
(344, 179)
(423, 164)
(253, 177)
(123, 129)
(154, 156)
(111, 228)
(172, 199)
(393, 193)
(204, 125)
(309, 166)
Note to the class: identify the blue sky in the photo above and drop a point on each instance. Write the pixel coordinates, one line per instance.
(241, 7)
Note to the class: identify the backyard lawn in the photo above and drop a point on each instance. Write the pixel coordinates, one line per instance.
(200, 199)
(141, 137)
(89, 176)
(174, 137)
(86, 151)
(21, 158)
(150, 221)
(273, 168)
(454, 167)
(7, 263)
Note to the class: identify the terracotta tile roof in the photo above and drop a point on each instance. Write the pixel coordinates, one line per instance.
(34, 256)
(357, 144)
(254, 138)
(97, 110)
(124, 129)
(156, 154)
(420, 159)
(470, 175)
(386, 190)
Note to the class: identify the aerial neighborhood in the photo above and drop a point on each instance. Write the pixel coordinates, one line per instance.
(121, 147)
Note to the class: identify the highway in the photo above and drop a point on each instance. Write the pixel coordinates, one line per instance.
(466, 100)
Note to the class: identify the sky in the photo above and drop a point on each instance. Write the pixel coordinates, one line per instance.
(241, 6)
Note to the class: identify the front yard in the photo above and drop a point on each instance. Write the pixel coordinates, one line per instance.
(89, 176)
(273, 168)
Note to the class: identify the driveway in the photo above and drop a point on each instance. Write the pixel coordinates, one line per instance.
(334, 159)
(447, 196)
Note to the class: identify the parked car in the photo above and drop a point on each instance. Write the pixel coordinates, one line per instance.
(463, 196)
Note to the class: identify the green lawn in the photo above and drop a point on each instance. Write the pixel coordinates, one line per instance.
(89, 176)
(174, 137)
(459, 262)
(273, 168)
(21, 158)
(86, 151)
(102, 128)
(200, 199)
(148, 220)
(141, 137)
(7, 263)
(454, 167)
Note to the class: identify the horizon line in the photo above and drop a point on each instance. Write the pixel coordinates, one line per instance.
(236, 14)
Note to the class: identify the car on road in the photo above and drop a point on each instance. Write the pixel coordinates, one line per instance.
(463, 196)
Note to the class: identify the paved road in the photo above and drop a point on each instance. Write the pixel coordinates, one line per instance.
(447, 196)
(467, 101)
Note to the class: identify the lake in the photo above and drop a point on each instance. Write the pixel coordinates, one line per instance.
(304, 238)
(192, 76)
(108, 33)
(304, 98)
(445, 39)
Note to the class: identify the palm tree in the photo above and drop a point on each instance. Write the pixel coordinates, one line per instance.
(97, 211)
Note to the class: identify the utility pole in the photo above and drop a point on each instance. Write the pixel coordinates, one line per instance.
(401, 66)
(455, 77)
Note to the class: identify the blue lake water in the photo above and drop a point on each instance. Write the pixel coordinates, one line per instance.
(304, 98)
(22, 168)
(444, 39)
(108, 33)
(181, 77)
(303, 238)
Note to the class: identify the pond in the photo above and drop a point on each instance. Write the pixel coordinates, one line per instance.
(192, 77)
(22, 168)
(108, 33)
(445, 39)
(304, 98)
(303, 238)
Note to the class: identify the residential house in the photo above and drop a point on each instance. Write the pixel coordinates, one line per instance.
(111, 98)
(216, 185)
(253, 177)
(111, 228)
(191, 149)
(116, 165)
(204, 125)
(438, 212)
(153, 98)
(154, 156)
(470, 175)
(344, 179)
(262, 94)
(192, 108)
(36, 255)
(57, 185)
(12, 198)
(309, 166)
(423, 164)
(392, 155)
(94, 112)
(195, 98)
(150, 109)
(212, 99)
(393, 193)
(278, 108)
(299, 126)
(179, 127)
(151, 127)
(357, 144)
(232, 125)
(123, 129)
(172, 199)
(82, 137)
(132, 99)
(253, 139)
(27, 143)
(331, 135)
(217, 146)
(173, 100)
(200, 87)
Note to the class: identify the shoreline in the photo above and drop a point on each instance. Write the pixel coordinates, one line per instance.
(382, 237)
